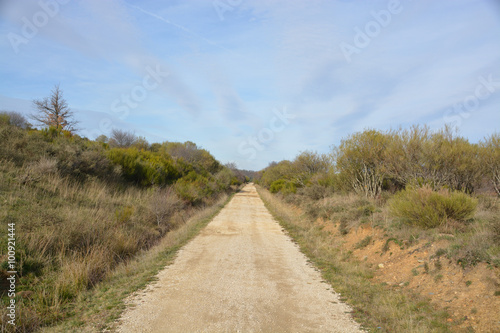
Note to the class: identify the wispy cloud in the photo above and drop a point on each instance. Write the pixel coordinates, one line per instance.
(226, 76)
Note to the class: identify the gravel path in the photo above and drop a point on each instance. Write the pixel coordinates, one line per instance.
(241, 274)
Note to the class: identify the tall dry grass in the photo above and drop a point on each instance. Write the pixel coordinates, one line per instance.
(98, 308)
(70, 235)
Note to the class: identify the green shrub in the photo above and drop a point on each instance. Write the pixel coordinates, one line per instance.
(144, 167)
(284, 186)
(194, 187)
(275, 172)
(426, 208)
(225, 178)
(277, 185)
(80, 161)
(289, 188)
(4, 119)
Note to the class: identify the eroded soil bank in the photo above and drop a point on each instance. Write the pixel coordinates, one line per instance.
(467, 294)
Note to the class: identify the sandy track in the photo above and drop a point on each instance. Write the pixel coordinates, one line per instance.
(241, 274)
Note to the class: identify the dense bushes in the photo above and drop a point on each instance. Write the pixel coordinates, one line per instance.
(83, 160)
(359, 162)
(73, 156)
(283, 186)
(415, 184)
(80, 158)
(426, 208)
(194, 187)
(371, 161)
(144, 167)
(367, 160)
(308, 169)
(200, 159)
(137, 161)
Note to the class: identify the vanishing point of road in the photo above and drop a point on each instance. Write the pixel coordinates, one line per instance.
(240, 274)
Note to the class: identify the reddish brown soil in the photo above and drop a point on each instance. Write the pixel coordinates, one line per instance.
(467, 294)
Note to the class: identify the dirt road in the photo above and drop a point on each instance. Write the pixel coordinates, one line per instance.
(241, 274)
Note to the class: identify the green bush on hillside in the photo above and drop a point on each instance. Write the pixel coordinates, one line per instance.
(194, 188)
(283, 186)
(144, 167)
(277, 185)
(426, 208)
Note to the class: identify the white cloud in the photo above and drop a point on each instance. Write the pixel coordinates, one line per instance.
(225, 77)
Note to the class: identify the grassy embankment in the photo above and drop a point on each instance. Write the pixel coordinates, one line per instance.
(426, 204)
(93, 223)
(98, 308)
(321, 227)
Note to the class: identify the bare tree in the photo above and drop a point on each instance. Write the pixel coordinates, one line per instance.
(16, 119)
(121, 139)
(188, 151)
(231, 166)
(53, 111)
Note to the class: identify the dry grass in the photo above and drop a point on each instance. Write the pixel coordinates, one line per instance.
(163, 205)
(99, 307)
(377, 307)
(71, 235)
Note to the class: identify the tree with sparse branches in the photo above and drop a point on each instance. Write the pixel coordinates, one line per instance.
(16, 119)
(122, 139)
(54, 112)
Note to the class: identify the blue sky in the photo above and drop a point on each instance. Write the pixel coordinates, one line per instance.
(256, 81)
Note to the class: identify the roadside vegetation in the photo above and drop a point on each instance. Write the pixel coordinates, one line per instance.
(84, 208)
(379, 309)
(97, 309)
(415, 183)
(418, 188)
